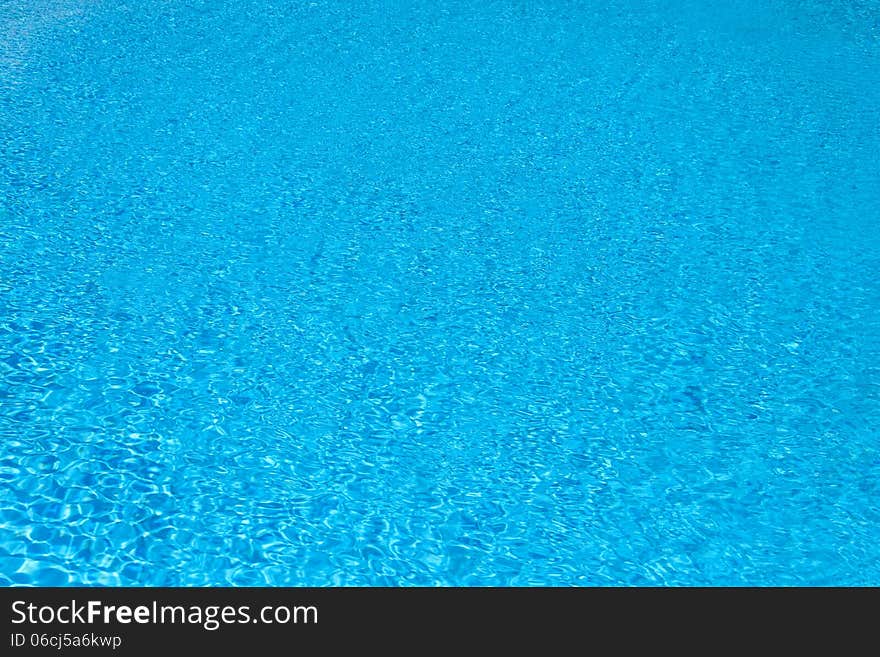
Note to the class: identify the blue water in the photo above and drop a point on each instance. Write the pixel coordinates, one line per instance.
(462, 293)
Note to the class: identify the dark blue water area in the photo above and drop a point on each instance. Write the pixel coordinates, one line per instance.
(457, 293)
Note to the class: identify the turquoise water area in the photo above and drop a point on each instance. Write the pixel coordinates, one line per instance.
(463, 293)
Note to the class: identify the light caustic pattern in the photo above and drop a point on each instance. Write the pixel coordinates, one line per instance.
(464, 293)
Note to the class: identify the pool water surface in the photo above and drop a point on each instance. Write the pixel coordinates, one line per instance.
(439, 293)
